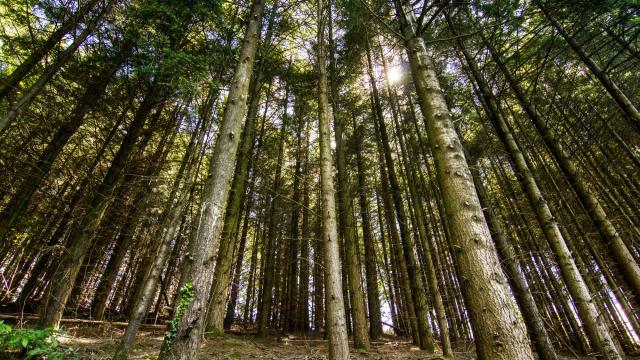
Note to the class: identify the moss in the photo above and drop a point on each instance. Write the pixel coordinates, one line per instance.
(213, 332)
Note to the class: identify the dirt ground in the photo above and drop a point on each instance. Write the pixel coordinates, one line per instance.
(98, 342)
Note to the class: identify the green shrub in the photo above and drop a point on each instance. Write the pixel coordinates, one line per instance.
(33, 343)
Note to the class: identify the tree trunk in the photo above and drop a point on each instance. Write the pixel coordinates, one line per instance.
(417, 286)
(371, 269)
(204, 241)
(305, 260)
(222, 272)
(497, 323)
(347, 227)
(270, 269)
(336, 324)
(519, 285)
(291, 312)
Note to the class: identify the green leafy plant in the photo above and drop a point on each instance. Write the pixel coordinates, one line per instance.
(186, 296)
(33, 343)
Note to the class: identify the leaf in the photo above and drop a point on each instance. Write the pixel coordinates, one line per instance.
(24, 342)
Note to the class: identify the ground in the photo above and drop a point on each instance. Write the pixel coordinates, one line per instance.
(98, 342)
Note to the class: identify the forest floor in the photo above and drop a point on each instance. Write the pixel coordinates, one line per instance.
(98, 342)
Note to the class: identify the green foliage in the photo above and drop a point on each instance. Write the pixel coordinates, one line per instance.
(186, 296)
(33, 343)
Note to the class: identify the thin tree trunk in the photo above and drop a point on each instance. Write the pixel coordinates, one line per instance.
(425, 335)
(373, 295)
(347, 227)
(270, 249)
(628, 266)
(222, 272)
(8, 84)
(612, 88)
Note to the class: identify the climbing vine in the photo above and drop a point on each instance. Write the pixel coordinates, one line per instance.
(186, 296)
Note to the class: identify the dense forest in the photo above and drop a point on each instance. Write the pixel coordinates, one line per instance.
(458, 178)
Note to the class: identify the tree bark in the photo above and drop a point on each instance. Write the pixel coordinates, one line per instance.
(497, 323)
(204, 242)
(336, 324)
(222, 272)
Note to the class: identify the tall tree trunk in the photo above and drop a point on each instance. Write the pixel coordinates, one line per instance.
(533, 319)
(523, 295)
(497, 322)
(204, 242)
(347, 227)
(415, 278)
(222, 272)
(291, 311)
(305, 260)
(270, 248)
(434, 287)
(336, 324)
(371, 259)
(235, 282)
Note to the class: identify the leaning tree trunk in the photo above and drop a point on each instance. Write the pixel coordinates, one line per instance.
(222, 272)
(8, 84)
(497, 323)
(197, 275)
(336, 324)
(96, 87)
(269, 254)
(523, 295)
(612, 88)
(81, 237)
